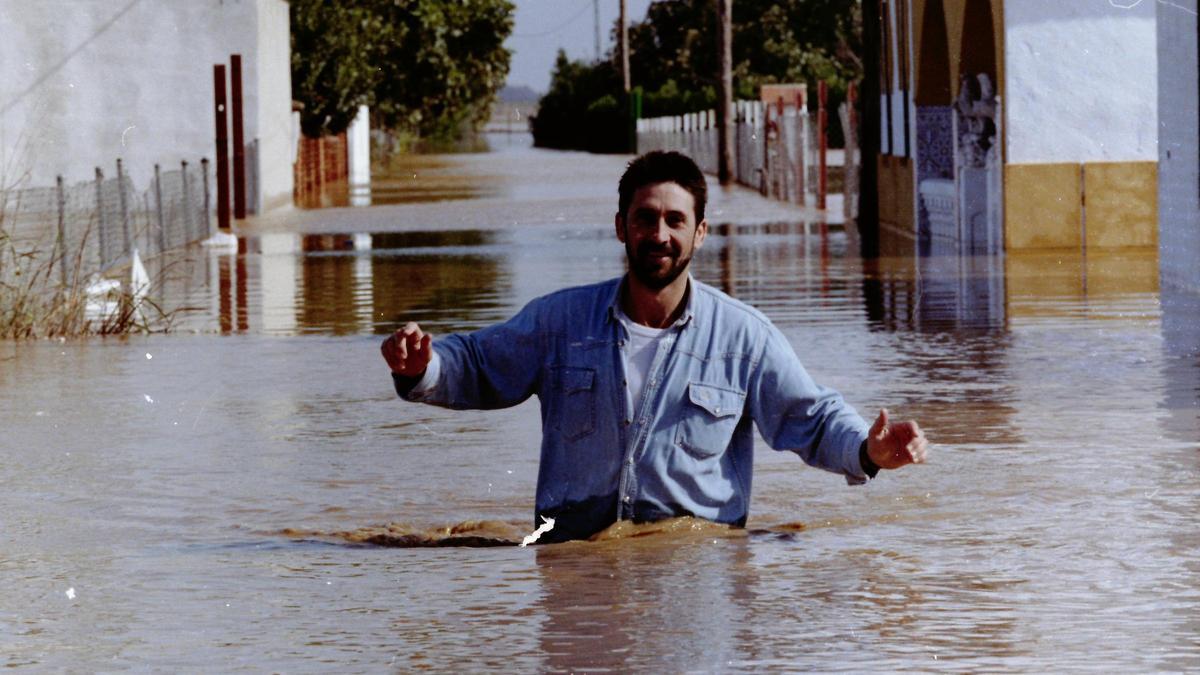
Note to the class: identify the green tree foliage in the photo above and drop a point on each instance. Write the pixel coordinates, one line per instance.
(581, 108)
(429, 67)
(334, 47)
(673, 58)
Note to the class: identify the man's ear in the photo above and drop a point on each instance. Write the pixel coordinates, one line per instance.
(619, 221)
(701, 234)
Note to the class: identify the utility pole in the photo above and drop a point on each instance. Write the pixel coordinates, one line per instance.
(624, 38)
(596, 19)
(724, 91)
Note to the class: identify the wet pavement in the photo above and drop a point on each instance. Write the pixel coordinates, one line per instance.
(210, 496)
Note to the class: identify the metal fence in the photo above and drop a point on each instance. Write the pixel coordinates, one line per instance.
(93, 226)
(775, 148)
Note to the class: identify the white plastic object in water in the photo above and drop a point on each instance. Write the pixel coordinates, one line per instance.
(139, 282)
(221, 240)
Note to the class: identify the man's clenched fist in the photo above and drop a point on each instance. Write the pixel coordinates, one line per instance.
(408, 351)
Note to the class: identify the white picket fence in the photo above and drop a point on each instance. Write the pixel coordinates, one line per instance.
(775, 149)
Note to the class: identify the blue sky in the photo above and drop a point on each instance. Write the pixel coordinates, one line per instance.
(543, 26)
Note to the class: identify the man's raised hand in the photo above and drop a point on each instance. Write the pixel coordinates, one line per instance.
(891, 445)
(408, 350)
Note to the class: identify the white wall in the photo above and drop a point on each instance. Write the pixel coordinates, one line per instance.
(1081, 80)
(83, 82)
(1179, 147)
(278, 134)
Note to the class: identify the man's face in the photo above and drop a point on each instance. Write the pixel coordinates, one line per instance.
(660, 233)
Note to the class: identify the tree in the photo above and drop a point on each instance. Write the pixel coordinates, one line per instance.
(431, 67)
(334, 47)
(673, 58)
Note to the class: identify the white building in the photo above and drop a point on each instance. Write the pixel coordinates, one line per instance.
(85, 82)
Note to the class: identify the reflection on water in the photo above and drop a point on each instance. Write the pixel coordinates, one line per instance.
(211, 497)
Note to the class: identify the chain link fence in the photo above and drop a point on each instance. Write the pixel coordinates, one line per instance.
(93, 226)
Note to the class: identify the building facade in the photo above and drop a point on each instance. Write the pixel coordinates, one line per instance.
(1018, 125)
(85, 82)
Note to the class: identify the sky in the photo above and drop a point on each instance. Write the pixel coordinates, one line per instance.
(543, 26)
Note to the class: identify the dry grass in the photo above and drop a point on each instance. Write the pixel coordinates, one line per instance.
(41, 299)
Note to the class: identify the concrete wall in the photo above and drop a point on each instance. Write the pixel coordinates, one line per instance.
(83, 82)
(1178, 145)
(1082, 81)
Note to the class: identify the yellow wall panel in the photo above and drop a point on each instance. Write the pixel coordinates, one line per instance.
(1121, 204)
(1120, 272)
(896, 192)
(1042, 207)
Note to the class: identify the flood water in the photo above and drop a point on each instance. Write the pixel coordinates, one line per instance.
(215, 499)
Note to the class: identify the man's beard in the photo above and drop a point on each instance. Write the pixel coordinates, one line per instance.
(652, 275)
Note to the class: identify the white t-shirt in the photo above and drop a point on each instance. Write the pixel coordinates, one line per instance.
(639, 355)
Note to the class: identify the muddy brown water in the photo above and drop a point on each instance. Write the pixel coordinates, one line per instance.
(246, 493)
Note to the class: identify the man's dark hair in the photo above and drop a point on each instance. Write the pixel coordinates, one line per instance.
(663, 167)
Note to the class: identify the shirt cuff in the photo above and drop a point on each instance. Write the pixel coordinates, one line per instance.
(864, 459)
(407, 386)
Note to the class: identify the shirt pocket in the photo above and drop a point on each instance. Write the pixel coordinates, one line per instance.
(576, 401)
(709, 417)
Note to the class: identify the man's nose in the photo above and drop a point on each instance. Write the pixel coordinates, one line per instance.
(662, 231)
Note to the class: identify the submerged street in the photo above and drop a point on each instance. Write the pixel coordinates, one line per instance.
(199, 500)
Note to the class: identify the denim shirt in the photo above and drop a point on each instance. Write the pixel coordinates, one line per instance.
(688, 449)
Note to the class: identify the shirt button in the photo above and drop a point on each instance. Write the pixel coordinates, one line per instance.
(625, 499)
(630, 463)
(628, 421)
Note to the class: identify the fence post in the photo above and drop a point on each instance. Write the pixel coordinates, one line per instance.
(101, 226)
(822, 142)
(187, 205)
(162, 230)
(124, 208)
(62, 230)
(207, 199)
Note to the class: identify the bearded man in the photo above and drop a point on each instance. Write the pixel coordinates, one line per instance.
(650, 383)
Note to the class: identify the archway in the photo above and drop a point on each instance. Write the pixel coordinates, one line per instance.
(935, 131)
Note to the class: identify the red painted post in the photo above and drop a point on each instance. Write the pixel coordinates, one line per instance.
(239, 143)
(801, 147)
(222, 149)
(822, 142)
(852, 108)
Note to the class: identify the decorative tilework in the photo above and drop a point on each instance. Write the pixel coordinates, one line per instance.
(935, 158)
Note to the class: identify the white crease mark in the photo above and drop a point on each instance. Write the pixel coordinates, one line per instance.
(546, 526)
(1134, 3)
(148, 399)
(71, 593)
(127, 130)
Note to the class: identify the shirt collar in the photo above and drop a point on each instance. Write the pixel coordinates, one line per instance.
(689, 307)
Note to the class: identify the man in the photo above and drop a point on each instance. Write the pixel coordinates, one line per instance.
(649, 383)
